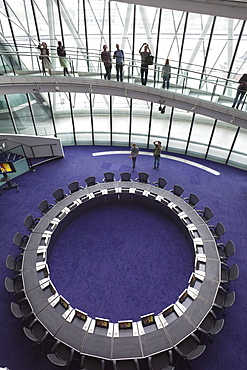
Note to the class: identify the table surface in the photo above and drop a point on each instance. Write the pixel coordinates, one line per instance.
(113, 343)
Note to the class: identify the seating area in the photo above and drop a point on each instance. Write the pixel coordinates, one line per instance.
(187, 350)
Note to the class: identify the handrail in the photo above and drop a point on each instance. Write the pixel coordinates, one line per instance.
(210, 84)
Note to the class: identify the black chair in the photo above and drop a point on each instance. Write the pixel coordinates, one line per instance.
(228, 274)
(109, 177)
(44, 206)
(161, 183)
(125, 176)
(36, 332)
(14, 264)
(126, 365)
(190, 349)
(218, 230)
(161, 361)
(20, 241)
(91, 180)
(21, 310)
(74, 186)
(211, 326)
(14, 286)
(59, 195)
(30, 222)
(88, 363)
(206, 215)
(61, 355)
(143, 177)
(223, 300)
(177, 190)
(192, 200)
(226, 250)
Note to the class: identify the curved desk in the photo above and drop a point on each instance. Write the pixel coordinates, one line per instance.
(99, 337)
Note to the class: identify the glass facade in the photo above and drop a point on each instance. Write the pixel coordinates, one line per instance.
(206, 53)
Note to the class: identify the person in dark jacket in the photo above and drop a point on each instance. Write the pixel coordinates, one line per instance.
(62, 58)
(241, 91)
(157, 152)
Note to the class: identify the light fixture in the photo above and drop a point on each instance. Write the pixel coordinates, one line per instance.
(37, 87)
(193, 108)
(125, 92)
(90, 89)
(232, 120)
(162, 109)
(57, 87)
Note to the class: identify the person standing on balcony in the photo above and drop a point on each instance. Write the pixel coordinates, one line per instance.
(241, 91)
(119, 55)
(44, 56)
(62, 58)
(166, 74)
(106, 59)
(144, 65)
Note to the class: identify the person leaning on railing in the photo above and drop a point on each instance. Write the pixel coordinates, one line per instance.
(241, 91)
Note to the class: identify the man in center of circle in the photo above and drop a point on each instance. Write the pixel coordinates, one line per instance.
(157, 152)
(134, 151)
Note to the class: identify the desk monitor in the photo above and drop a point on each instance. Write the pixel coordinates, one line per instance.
(194, 282)
(169, 313)
(125, 324)
(64, 303)
(102, 323)
(80, 315)
(7, 167)
(44, 273)
(147, 319)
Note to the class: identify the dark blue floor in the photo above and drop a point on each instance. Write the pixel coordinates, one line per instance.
(125, 262)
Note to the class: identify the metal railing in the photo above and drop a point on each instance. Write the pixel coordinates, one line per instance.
(211, 86)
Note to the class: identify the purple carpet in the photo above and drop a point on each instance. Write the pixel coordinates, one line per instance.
(124, 261)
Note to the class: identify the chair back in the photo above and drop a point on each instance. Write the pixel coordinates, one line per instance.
(126, 365)
(9, 285)
(125, 176)
(220, 229)
(229, 248)
(73, 187)
(178, 190)
(207, 214)
(16, 310)
(143, 177)
(193, 200)
(93, 363)
(233, 272)
(64, 352)
(10, 262)
(162, 182)
(229, 299)
(90, 180)
(58, 195)
(43, 206)
(19, 241)
(29, 222)
(159, 361)
(109, 176)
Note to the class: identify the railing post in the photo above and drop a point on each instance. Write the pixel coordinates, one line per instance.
(213, 92)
